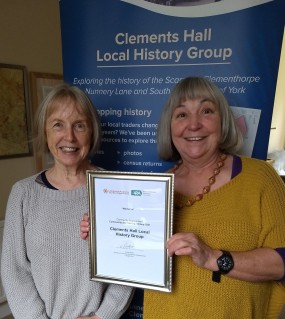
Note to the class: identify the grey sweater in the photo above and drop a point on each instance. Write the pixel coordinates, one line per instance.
(45, 264)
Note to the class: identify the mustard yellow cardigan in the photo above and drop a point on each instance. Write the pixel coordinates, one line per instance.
(246, 213)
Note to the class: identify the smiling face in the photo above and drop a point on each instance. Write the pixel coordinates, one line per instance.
(68, 134)
(196, 129)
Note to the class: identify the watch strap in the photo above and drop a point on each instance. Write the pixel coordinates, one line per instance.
(216, 275)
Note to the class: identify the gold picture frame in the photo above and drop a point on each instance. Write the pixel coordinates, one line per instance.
(15, 114)
(41, 84)
(131, 219)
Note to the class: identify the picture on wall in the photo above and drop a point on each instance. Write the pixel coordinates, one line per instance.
(15, 116)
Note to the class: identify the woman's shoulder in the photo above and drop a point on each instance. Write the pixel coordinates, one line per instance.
(255, 162)
(98, 168)
(258, 167)
(22, 187)
(26, 182)
(94, 167)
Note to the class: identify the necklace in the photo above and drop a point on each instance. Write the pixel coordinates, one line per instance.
(206, 189)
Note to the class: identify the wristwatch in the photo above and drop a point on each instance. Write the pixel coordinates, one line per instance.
(225, 263)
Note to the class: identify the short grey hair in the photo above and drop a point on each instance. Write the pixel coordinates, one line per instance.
(193, 88)
(59, 94)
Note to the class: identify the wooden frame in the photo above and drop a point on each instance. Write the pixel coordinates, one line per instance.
(41, 84)
(15, 115)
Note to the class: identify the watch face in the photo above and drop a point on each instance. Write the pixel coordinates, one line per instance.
(225, 263)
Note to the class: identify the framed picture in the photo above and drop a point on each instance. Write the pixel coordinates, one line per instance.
(15, 115)
(131, 219)
(41, 84)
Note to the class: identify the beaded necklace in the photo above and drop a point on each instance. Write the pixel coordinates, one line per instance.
(206, 189)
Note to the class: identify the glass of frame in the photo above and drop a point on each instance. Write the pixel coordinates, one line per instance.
(15, 115)
(131, 218)
(41, 84)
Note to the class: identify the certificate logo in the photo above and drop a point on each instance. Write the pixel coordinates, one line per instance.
(115, 191)
(136, 192)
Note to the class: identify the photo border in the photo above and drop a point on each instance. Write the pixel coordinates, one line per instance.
(167, 227)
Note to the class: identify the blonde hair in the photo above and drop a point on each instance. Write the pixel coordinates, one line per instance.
(59, 94)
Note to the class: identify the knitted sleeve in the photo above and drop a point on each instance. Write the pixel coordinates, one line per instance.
(18, 283)
(272, 208)
(116, 300)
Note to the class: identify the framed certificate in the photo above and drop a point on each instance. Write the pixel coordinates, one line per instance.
(131, 217)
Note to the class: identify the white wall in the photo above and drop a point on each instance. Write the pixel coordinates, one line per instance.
(30, 35)
(277, 134)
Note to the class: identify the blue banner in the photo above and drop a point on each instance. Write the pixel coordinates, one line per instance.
(128, 54)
